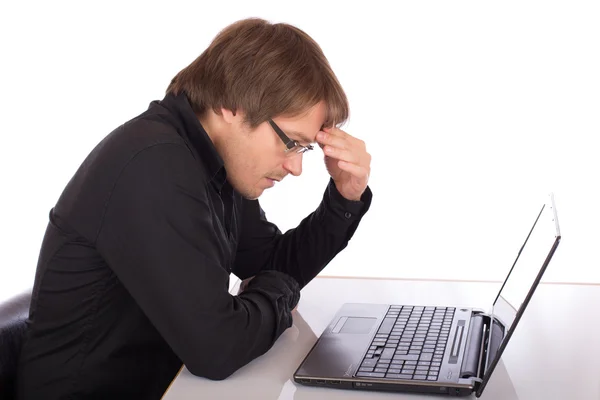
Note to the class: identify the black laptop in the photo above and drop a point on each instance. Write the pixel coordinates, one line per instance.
(430, 348)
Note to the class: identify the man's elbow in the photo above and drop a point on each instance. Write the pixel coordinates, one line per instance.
(213, 372)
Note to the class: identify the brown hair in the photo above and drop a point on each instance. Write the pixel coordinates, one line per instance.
(264, 70)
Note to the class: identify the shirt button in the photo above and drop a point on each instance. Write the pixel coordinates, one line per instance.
(348, 215)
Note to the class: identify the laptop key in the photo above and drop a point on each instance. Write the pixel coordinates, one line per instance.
(369, 362)
(387, 354)
(410, 357)
(399, 376)
(423, 377)
(371, 374)
(386, 326)
(426, 357)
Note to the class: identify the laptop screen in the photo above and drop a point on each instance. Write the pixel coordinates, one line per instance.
(524, 276)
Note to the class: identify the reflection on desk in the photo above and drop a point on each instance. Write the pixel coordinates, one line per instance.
(554, 354)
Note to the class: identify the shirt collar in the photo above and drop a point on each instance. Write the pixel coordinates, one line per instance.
(183, 117)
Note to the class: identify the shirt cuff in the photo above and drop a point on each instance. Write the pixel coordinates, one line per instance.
(339, 210)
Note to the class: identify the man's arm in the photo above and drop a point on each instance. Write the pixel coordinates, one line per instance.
(304, 251)
(159, 238)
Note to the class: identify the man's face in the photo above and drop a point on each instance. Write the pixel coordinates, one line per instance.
(256, 159)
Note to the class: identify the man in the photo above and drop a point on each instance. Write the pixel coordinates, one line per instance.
(133, 274)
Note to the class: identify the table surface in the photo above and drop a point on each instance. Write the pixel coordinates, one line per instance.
(554, 353)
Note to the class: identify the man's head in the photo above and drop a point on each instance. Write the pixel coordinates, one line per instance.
(257, 87)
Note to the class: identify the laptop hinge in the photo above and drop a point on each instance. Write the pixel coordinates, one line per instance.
(478, 345)
(476, 338)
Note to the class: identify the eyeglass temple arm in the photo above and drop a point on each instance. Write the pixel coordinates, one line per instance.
(289, 143)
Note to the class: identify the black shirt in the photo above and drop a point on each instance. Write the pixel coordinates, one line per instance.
(133, 273)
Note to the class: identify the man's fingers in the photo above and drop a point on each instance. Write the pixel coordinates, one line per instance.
(334, 133)
(342, 141)
(351, 155)
(357, 170)
(333, 140)
(341, 154)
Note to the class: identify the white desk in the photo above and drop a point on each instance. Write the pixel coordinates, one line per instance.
(554, 353)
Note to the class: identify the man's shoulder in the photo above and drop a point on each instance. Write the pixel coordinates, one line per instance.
(138, 134)
(107, 161)
(147, 131)
(85, 196)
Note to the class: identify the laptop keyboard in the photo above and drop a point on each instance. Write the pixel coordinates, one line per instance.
(409, 344)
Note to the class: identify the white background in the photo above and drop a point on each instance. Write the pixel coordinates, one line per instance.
(473, 111)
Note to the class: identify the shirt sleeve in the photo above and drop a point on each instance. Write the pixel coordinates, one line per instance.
(158, 237)
(304, 251)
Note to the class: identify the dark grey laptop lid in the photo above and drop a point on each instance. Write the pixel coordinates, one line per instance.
(522, 280)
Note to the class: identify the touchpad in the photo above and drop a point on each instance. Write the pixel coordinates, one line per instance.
(354, 325)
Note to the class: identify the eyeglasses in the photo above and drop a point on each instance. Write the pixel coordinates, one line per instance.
(292, 147)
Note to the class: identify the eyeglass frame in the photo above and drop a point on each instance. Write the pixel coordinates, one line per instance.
(290, 144)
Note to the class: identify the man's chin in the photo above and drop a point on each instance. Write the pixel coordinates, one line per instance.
(254, 195)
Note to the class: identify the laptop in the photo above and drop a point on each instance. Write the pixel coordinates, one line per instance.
(431, 348)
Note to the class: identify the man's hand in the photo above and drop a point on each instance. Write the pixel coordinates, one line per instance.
(244, 285)
(347, 161)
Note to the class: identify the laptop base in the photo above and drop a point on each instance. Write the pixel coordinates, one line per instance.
(385, 387)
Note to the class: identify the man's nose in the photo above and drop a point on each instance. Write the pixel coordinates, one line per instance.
(293, 164)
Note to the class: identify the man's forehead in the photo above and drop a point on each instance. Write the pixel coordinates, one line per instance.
(306, 131)
(304, 126)
(303, 137)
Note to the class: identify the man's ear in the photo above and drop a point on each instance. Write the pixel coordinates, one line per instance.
(229, 116)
